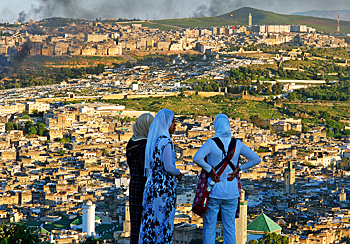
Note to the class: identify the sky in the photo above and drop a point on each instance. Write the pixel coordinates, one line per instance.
(23, 10)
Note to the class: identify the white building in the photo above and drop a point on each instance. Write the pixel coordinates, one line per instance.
(89, 218)
(135, 86)
(38, 106)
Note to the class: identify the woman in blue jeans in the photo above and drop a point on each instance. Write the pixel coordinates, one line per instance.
(225, 193)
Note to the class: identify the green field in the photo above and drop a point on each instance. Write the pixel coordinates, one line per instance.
(197, 105)
(72, 61)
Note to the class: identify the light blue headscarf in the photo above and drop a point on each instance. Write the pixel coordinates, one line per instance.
(222, 126)
(160, 126)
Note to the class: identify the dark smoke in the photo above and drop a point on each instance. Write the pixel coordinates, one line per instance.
(217, 7)
(22, 17)
(201, 11)
(13, 64)
(62, 8)
(19, 57)
(91, 9)
(163, 9)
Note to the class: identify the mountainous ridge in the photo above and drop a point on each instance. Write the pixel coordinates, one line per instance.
(260, 17)
(344, 15)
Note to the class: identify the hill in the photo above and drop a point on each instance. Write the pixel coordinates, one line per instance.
(344, 15)
(260, 17)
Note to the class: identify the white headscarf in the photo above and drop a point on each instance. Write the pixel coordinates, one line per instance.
(141, 127)
(222, 126)
(160, 126)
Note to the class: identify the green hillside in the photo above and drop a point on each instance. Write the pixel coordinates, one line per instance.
(260, 17)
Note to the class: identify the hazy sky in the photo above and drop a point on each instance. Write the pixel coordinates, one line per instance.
(160, 9)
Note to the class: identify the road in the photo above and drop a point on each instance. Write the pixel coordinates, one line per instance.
(132, 61)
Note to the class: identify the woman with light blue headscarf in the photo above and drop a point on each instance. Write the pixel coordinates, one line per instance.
(225, 193)
(159, 196)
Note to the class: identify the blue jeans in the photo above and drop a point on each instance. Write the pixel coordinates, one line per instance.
(228, 213)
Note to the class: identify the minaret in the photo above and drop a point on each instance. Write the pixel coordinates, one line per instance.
(126, 223)
(289, 179)
(250, 19)
(89, 218)
(241, 222)
(338, 27)
(342, 196)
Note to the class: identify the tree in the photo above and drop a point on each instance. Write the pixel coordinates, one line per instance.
(273, 238)
(345, 240)
(32, 130)
(61, 152)
(90, 240)
(9, 126)
(41, 129)
(17, 233)
(105, 152)
(35, 112)
(252, 242)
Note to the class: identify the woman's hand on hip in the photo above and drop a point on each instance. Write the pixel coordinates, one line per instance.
(214, 176)
(179, 177)
(234, 174)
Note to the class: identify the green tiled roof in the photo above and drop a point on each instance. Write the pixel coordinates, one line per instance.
(261, 224)
(77, 221)
(43, 231)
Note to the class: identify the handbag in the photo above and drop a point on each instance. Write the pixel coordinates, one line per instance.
(200, 202)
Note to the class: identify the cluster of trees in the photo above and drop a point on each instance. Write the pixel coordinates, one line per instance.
(17, 233)
(28, 129)
(329, 53)
(245, 75)
(47, 77)
(270, 238)
(207, 86)
(233, 48)
(257, 121)
(11, 233)
(339, 91)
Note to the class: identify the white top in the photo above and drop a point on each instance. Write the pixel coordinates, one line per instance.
(224, 189)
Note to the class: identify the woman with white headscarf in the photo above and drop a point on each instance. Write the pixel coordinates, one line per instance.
(159, 197)
(135, 154)
(225, 193)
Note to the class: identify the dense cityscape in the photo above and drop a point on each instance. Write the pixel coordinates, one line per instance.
(63, 139)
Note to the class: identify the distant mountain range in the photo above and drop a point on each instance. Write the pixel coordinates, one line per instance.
(260, 17)
(343, 14)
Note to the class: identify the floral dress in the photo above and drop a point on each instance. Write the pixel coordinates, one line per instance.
(159, 199)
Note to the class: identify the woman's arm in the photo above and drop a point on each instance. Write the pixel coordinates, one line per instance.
(168, 161)
(200, 155)
(253, 158)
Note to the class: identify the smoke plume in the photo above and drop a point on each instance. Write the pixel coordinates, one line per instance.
(162, 9)
(13, 64)
(22, 17)
(90, 9)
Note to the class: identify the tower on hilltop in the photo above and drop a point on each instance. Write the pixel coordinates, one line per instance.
(250, 19)
(338, 27)
(289, 179)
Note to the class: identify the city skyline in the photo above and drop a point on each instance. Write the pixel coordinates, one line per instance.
(15, 10)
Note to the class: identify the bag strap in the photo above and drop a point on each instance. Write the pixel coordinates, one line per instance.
(227, 159)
